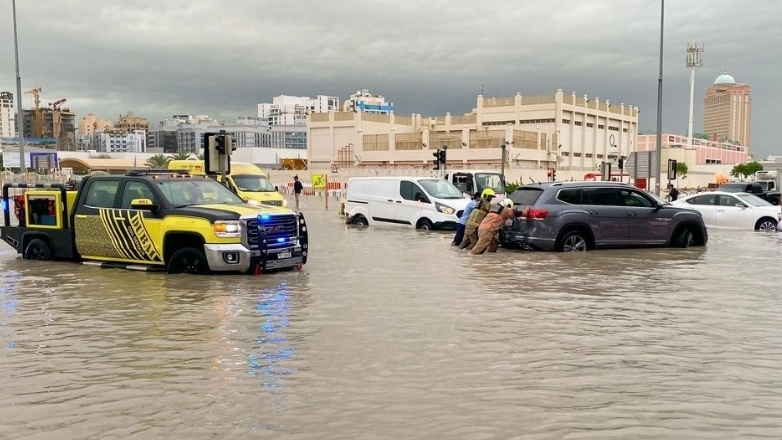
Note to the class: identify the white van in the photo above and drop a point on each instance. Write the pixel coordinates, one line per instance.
(420, 202)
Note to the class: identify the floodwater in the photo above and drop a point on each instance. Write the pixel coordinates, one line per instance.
(392, 333)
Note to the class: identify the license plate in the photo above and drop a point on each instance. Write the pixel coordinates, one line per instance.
(283, 255)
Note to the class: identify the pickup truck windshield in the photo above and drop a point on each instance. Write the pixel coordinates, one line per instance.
(253, 183)
(197, 192)
(490, 180)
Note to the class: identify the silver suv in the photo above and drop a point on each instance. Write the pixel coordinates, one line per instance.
(580, 216)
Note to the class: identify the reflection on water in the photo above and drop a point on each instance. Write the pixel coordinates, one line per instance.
(392, 333)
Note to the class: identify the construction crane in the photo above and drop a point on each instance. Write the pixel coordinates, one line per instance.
(56, 104)
(37, 124)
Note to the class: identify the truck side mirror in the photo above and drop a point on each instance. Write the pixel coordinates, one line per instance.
(143, 205)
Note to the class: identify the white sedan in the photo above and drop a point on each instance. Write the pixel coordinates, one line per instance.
(727, 210)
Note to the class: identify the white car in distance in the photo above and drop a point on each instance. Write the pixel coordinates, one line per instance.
(727, 210)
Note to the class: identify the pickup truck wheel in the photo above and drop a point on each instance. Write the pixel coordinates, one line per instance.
(766, 224)
(188, 260)
(37, 249)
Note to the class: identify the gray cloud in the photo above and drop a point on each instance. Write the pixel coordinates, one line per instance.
(158, 58)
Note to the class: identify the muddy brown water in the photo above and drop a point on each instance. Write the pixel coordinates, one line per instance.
(392, 333)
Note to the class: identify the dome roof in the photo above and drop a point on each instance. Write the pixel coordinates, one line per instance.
(724, 79)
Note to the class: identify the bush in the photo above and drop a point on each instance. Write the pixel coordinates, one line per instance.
(510, 187)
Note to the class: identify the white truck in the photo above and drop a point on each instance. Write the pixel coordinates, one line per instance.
(768, 180)
(472, 181)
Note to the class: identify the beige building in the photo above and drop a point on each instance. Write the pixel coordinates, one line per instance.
(129, 123)
(537, 131)
(727, 111)
(91, 124)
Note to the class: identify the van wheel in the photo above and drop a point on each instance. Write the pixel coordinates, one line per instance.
(188, 260)
(360, 221)
(424, 224)
(37, 249)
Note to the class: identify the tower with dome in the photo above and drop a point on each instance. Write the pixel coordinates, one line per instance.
(727, 111)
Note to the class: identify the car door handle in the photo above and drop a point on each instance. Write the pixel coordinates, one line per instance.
(390, 200)
(594, 213)
(398, 201)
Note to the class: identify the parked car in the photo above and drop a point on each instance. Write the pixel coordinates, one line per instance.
(580, 216)
(734, 210)
(419, 202)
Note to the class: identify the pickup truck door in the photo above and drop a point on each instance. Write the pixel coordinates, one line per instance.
(93, 211)
(137, 232)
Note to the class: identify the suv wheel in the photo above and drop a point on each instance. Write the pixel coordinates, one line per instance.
(574, 241)
(684, 238)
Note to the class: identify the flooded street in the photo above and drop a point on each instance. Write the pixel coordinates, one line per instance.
(392, 333)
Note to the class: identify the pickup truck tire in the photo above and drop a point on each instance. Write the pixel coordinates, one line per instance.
(766, 224)
(37, 249)
(188, 260)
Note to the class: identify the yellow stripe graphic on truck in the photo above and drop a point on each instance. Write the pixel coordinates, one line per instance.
(129, 236)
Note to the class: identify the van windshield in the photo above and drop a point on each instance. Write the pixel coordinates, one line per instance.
(184, 192)
(253, 183)
(441, 189)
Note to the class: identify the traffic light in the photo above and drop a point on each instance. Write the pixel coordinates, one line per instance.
(621, 163)
(436, 161)
(553, 175)
(671, 169)
(441, 157)
(435, 164)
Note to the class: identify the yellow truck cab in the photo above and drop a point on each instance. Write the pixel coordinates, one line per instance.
(245, 179)
(148, 220)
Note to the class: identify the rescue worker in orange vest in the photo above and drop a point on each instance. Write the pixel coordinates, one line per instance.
(476, 217)
(490, 226)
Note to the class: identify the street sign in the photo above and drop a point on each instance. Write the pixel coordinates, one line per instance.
(334, 169)
(641, 164)
(318, 181)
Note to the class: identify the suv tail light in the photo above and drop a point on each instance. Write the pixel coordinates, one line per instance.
(536, 214)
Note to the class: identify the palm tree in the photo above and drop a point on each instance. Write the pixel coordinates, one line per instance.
(181, 155)
(158, 161)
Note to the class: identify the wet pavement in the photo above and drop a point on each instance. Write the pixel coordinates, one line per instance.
(392, 333)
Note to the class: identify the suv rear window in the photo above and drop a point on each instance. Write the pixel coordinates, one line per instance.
(526, 196)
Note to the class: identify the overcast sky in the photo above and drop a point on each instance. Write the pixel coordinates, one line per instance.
(163, 57)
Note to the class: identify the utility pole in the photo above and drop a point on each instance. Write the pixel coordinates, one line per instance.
(659, 149)
(694, 59)
(20, 112)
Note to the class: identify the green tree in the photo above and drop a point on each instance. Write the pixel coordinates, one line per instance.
(739, 170)
(181, 155)
(158, 161)
(681, 170)
(752, 168)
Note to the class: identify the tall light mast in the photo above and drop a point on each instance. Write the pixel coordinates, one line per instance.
(694, 59)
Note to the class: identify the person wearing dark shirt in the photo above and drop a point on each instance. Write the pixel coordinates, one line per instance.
(297, 188)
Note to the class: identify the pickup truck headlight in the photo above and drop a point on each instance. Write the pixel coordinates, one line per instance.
(444, 208)
(228, 228)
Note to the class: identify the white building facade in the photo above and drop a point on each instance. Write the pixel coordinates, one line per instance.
(7, 115)
(537, 131)
(292, 110)
(109, 142)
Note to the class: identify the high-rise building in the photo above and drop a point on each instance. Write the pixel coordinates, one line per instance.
(129, 123)
(7, 116)
(727, 111)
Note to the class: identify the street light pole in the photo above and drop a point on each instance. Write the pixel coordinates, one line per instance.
(20, 112)
(659, 148)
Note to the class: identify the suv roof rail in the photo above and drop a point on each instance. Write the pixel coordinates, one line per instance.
(143, 172)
